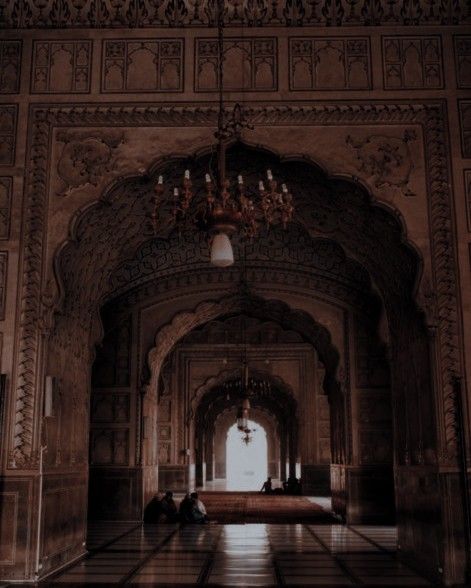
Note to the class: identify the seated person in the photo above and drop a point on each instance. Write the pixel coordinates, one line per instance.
(199, 510)
(168, 507)
(186, 509)
(153, 510)
(267, 486)
(290, 487)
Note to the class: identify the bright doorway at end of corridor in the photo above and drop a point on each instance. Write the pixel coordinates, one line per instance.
(247, 464)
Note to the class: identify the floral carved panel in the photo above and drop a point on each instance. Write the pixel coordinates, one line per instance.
(248, 64)
(144, 65)
(61, 67)
(320, 63)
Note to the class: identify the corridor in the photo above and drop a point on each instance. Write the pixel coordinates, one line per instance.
(241, 555)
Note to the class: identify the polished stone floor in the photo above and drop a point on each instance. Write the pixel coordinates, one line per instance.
(241, 555)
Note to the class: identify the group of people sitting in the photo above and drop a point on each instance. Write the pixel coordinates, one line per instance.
(191, 509)
(291, 486)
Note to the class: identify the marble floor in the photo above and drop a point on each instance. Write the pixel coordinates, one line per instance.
(240, 555)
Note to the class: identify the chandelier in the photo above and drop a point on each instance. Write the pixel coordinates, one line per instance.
(227, 210)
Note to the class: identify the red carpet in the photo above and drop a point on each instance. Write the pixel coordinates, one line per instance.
(253, 507)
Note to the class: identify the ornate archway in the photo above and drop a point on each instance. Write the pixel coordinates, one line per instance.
(335, 207)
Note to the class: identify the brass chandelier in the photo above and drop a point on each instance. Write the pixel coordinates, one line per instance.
(227, 210)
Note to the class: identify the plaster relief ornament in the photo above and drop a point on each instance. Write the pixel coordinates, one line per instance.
(86, 158)
(387, 160)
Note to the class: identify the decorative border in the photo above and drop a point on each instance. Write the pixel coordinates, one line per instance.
(431, 116)
(26, 14)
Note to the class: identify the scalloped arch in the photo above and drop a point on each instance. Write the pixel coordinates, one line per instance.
(111, 229)
(255, 306)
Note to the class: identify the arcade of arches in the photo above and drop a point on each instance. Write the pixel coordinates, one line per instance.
(121, 345)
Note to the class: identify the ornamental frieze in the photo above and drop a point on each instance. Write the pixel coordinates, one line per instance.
(20, 14)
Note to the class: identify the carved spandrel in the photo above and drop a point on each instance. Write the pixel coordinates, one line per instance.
(249, 64)
(144, 65)
(412, 63)
(8, 116)
(319, 63)
(387, 160)
(10, 66)
(61, 67)
(6, 184)
(463, 61)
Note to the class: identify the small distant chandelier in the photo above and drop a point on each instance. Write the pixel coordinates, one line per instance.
(228, 211)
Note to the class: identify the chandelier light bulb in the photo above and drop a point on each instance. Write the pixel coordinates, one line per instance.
(222, 254)
(187, 174)
(240, 180)
(284, 188)
(160, 181)
(207, 178)
(261, 186)
(175, 192)
(269, 175)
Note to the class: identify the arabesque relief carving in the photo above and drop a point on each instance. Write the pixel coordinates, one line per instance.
(201, 13)
(86, 157)
(386, 159)
(430, 116)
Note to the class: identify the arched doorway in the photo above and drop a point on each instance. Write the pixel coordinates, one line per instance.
(385, 269)
(247, 463)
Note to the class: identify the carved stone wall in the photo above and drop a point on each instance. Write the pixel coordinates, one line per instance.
(389, 98)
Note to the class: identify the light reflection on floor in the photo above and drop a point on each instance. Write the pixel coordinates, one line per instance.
(241, 555)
